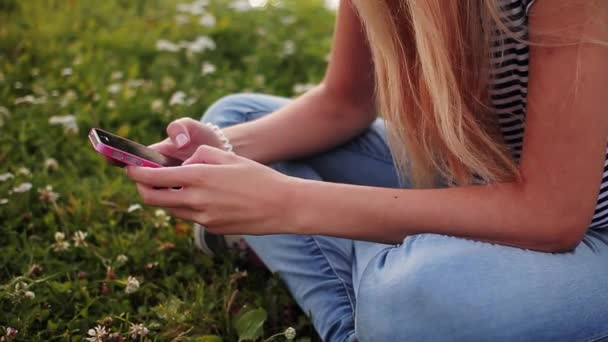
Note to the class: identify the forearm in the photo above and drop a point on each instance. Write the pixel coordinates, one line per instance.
(312, 123)
(502, 213)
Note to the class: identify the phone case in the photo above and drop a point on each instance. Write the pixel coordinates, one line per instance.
(121, 157)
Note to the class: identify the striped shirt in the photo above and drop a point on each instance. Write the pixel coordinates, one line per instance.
(509, 91)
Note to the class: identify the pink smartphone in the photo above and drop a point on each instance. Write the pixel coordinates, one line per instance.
(126, 152)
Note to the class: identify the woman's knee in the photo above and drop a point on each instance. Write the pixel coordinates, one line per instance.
(417, 294)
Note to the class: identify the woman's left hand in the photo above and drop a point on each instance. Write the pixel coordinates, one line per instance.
(226, 193)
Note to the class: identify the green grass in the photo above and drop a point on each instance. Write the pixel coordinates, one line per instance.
(98, 61)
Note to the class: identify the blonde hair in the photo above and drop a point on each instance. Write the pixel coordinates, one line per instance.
(432, 69)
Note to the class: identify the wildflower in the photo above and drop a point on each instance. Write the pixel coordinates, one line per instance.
(5, 176)
(20, 286)
(157, 106)
(79, 238)
(3, 201)
(289, 48)
(30, 99)
(151, 265)
(132, 285)
(181, 19)
(98, 334)
(23, 187)
(29, 295)
(200, 44)
(35, 270)
(302, 88)
(136, 83)
(67, 121)
(166, 246)
(60, 244)
(207, 68)
(47, 195)
(24, 171)
(117, 75)
(111, 104)
(290, 333)
(195, 8)
(207, 20)
(240, 5)
(114, 88)
(66, 72)
(133, 207)
(68, 97)
(11, 332)
(162, 219)
(51, 164)
(178, 98)
(121, 259)
(167, 84)
(165, 45)
(138, 330)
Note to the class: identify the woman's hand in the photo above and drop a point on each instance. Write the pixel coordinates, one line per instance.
(226, 193)
(185, 136)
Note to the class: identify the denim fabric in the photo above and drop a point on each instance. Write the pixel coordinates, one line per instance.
(430, 287)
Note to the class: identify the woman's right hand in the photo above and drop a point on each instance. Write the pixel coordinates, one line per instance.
(185, 136)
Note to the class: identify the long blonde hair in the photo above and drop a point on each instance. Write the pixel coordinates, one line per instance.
(432, 69)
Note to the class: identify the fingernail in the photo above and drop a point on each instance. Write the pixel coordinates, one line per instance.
(181, 139)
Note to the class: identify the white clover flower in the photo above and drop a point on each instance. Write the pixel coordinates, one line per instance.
(162, 219)
(181, 19)
(290, 333)
(30, 99)
(207, 20)
(165, 45)
(20, 286)
(289, 48)
(23, 187)
(67, 121)
(66, 72)
(98, 334)
(138, 330)
(79, 238)
(200, 44)
(136, 83)
(302, 88)
(207, 68)
(240, 5)
(3, 201)
(11, 332)
(60, 244)
(178, 98)
(29, 295)
(157, 106)
(51, 164)
(116, 75)
(134, 207)
(195, 8)
(6, 176)
(132, 285)
(47, 194)
(121, 259)
(114, 88)
(24, 171)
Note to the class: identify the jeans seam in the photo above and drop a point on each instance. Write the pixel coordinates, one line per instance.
(350, 300)
(603, 337)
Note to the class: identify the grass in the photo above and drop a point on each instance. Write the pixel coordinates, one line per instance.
(68, 65)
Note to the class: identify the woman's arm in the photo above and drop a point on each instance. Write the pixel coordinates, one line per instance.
(563, 154)
(341, 107)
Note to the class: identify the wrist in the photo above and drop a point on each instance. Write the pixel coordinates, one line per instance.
(294, 205)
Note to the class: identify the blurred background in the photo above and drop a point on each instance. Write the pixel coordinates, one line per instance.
(80, 257)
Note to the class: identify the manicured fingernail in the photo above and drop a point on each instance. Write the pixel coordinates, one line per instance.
(181, 139)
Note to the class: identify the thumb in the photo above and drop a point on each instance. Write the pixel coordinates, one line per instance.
(206, 154)
(180, 131)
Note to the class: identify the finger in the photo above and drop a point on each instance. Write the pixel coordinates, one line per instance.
(165, 197)
(180, 131)
(165, 147)
(164, 177)
(187, 214)
(206, 154)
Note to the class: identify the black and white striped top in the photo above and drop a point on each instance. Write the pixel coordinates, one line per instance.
(509, 91)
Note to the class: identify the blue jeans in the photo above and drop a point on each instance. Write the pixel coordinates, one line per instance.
(430, 287)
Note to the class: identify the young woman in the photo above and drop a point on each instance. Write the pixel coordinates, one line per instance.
(486, 217)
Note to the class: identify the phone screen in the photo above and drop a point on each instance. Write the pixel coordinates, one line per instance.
(135, 149)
